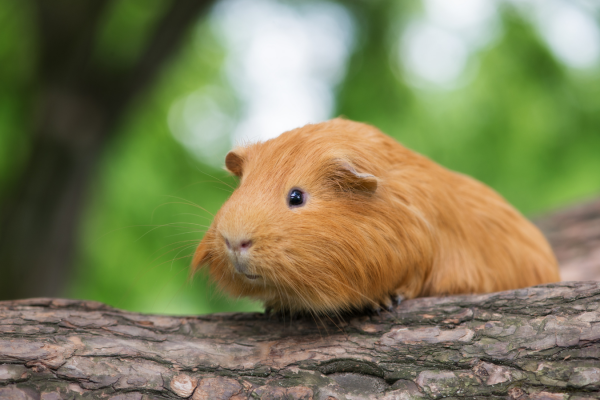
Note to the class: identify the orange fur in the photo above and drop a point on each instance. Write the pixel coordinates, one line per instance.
(380, 221)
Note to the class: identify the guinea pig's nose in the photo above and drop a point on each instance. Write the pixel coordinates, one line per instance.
(240, 245)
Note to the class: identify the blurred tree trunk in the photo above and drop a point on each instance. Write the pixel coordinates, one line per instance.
(80, 104)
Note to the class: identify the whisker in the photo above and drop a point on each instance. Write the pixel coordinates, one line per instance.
(213, 177)
(184, 202)
(170, 244)
(147, 271)
(216, 180)
(172, 278)
(170, 224)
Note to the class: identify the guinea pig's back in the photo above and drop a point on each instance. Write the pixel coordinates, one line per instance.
(482, 243)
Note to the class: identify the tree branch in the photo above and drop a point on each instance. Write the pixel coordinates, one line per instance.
(540, 342)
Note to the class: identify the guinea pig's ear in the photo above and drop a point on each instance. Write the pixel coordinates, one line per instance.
(234, 161)
(356, 181)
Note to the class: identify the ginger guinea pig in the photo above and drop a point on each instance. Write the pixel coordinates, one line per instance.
(337, 216)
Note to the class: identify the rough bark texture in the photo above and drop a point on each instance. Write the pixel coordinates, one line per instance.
(538, 343)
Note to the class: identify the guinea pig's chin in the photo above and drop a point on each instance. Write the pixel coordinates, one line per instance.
(249, 278)
(242, 270)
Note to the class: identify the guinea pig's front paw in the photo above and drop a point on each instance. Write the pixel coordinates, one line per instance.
(398, 296)
(274, 311)
(387, 305)
(397, 299)
(377, 308)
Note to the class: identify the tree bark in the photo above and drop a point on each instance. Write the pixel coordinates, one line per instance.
(574, 234)
(533, 343)
(80, 104)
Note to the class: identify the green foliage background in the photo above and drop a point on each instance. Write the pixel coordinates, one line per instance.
(525, 124)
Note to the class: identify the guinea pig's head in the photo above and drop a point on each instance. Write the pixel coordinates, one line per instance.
(294, 232)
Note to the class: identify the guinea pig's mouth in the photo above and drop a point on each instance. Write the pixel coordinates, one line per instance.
(241, 267)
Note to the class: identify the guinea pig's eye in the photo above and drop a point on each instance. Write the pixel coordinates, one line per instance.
(296, 198)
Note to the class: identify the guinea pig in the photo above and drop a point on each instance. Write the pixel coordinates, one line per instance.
(336, 217)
